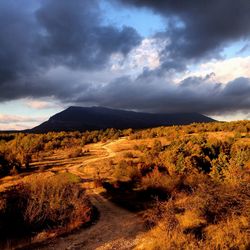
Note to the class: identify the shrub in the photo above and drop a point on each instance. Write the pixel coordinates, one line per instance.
(162, 184)
(43, 203)
(8, 164)
(127, 171)
(215, 216)
(54, 201)
(75, 152)
(128, 155)
(229, 234)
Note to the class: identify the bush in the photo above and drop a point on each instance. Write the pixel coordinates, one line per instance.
(43, 203)
(215, 216)
(128, 155)
(54, 201)
(76, 152)
(8, 164)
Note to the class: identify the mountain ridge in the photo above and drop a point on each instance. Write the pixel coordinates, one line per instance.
(94, 118)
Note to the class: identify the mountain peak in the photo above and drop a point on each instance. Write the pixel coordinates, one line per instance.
(96, 117)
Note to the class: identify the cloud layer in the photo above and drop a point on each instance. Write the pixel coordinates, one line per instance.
(62, 50)
(17, 122)
(153, 94)
(199, 29)
(38, 38)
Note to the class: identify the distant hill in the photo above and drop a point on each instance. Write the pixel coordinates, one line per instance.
(94, 118)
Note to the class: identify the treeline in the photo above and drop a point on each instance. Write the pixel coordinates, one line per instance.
(18, 150)
(173, 132)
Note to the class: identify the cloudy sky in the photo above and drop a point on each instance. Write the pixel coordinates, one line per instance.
(154, 56)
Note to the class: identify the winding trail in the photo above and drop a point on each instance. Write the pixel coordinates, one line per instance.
(116, 228)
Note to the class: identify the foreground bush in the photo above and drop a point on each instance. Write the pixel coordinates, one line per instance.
(213, 216)
(8, 164)
(44, 203)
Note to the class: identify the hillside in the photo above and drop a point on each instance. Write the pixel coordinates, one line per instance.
(93, 118)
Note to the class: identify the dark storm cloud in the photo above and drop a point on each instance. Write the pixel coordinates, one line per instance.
(61, 84)
(199, 28)
(74, 34)
(17, 41)
(194, 94)
(36, 37)
(45, 44)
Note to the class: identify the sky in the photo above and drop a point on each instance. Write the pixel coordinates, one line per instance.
(153, 56)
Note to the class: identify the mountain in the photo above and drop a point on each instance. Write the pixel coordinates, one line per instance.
(94, 118)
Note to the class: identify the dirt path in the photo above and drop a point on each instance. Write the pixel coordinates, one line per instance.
(116, 228)
(84, 169)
